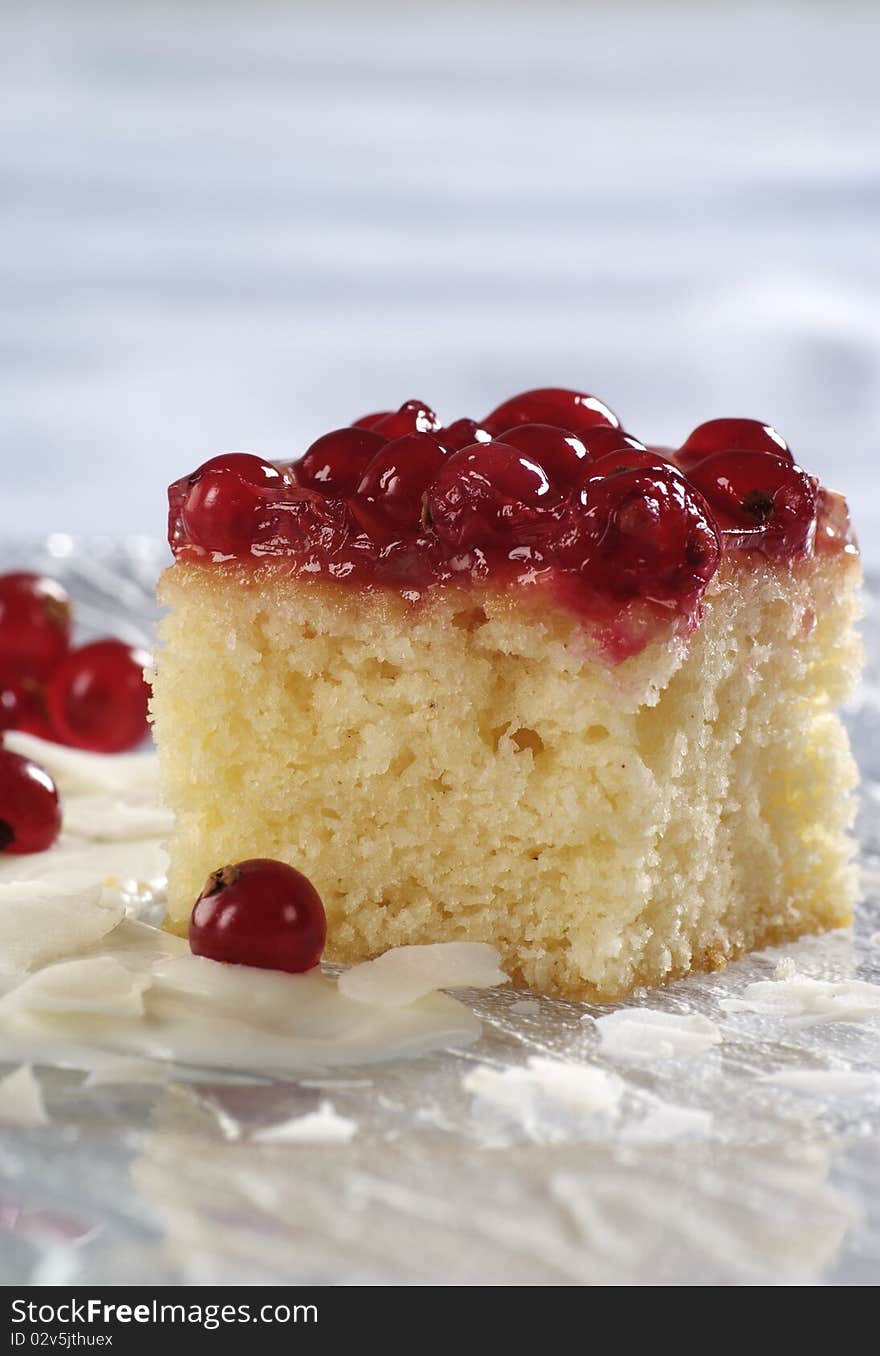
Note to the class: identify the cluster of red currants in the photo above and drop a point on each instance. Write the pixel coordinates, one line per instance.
(90, 697)
(550, 473)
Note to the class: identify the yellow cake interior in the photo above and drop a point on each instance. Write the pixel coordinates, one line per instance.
(468, 769)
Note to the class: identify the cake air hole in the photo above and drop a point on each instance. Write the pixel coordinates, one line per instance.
(471, 619)
(524, 738)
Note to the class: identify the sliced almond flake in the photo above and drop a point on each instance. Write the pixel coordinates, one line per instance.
(96, 986)
(21, 1099)
(406, 973)
(77, 772)
(803, 1001)
(324, 1126)
(647, 1033)
(42, 922)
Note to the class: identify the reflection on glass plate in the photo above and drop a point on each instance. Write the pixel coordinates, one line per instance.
(721, 1131)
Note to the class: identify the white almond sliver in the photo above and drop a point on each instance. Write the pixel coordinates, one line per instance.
(21, 1100)
(42, 922)
(646, 1033)
(77, 772)
(94, 985)
(406, 973)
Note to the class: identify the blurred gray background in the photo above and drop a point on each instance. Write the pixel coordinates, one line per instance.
(235, 225)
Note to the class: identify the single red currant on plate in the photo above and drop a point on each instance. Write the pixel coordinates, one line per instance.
(34, 625)
(731, 435)
(569, 410)
(262, 913)
(30, 813)
(223, 500)
(97, 697)
(759, 500)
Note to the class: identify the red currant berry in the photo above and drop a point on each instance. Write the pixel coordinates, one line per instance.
(30, 815)
(335, 463)
(412, 417)
(645, 533)
(760, 501)
(571, 410)
(487, 495)
(629, 459)
(224, 498)
(34, 624)
(388, 500)
(731, 435)
(463, 433)
(23, 707)
(603, 440)
(260, 913)
(562, 455)
(97, 697)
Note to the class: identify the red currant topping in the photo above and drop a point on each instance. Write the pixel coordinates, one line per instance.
(30, 815)
(486, 495)
(731, 435)
(463, 433)
(224, 498)
(629, 459)
(760, 501)
(412, 417)
(34, 624)
(644, 533)
(562, 455)
(335, 463)
(97, 697)
(571, 410)
(388, 500)
(602, 440)
(260, 913)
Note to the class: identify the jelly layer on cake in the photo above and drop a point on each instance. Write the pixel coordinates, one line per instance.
(579, 707)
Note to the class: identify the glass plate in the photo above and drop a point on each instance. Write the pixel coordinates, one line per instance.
(715, 1169)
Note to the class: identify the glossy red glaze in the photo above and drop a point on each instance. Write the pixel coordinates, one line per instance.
(262, 913)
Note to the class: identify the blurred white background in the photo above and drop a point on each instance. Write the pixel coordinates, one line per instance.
(235, 225)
